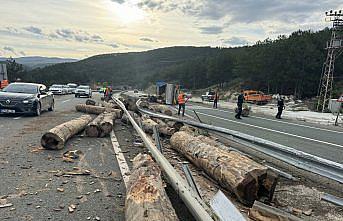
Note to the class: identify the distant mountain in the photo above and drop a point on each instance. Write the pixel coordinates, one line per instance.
(38, 61)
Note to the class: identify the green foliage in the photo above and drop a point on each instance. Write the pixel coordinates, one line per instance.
(287, 65)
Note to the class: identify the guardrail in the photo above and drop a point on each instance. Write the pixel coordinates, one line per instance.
(300, 159)
(195, 205)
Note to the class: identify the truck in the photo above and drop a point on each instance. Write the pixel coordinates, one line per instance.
(3, 75)
(208, 96)
(256, 97)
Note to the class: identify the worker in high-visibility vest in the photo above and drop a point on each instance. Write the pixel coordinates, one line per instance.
(182, 103)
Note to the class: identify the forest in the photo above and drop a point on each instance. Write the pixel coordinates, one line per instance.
(286, 65)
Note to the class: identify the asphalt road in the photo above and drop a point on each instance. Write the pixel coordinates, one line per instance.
(323, 141)
(29, 175)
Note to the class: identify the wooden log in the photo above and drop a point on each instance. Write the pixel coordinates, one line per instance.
(101, 126)
(89, 109)
(263, 212)
(161, 109)
(146, 199)
(55, 138)
(233, 171)
(90, 102)
(148, 125)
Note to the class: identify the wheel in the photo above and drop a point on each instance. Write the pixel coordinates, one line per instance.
(52, 106)
(38, 110)
(76, 95)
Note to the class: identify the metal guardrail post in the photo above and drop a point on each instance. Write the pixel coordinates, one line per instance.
(190, 178)
(157, 138)
(195, 205)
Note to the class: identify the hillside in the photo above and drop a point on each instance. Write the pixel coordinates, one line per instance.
(33, 62)
(287, 65)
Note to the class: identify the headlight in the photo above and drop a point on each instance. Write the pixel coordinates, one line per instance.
(28, 101)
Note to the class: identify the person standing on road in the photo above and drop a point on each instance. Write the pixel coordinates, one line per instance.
(240, 101)
(215, 101)
(280, 107)
(182, 103)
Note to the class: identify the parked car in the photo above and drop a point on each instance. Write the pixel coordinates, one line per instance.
(83, 90)
(26, 98)
(72, 87)
(58, 89)
(208, 96)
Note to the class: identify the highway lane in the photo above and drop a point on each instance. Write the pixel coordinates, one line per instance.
(326, 142)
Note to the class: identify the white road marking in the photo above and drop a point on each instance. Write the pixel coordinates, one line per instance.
(16, 118)
(124, 168)
(66, 101)
(276, 131)
(283, 122)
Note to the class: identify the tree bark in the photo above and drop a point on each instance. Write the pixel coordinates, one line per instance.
(89, 109)
(239, 174)
(163, 129)
(146, 199)
(262, 212)
(57, 136)
(102, 125)
(161, 109)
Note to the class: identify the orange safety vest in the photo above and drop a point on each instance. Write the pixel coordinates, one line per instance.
(181, 99)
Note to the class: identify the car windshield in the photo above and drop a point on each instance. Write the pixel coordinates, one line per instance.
(21, 88)
(83, 87)
(56, 86)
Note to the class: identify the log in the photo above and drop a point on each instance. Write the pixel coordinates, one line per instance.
(89, 109)
(233, 171)
(55, 138)
(263, 212)
(101, 126)
(161, 109)
(146, 199)
(90, 102)
(148, 124)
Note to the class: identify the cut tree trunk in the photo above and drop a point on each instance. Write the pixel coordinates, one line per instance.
(163, 129)
(90, 102)
(90, 109)
(239, 174)
(102, 125)
(146, 199)
(161, 109)
(57, 136)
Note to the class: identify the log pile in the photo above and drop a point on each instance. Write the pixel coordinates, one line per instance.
(239, 174)
(102, 125)
(146, 198)
(55, 138)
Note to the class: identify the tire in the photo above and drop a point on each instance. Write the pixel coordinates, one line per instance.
(38, 110)
(76, 95)
(51, 108)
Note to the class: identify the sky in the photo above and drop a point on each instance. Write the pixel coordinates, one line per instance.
(83, 28)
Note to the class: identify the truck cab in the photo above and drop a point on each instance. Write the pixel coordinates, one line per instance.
(3, 75)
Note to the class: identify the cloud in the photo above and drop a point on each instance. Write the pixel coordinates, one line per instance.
(118, 1)
(236, 41)
(211, 30)
(76, 35)
(13, 51)
(114, 45)
(34, 30)
(147, 39)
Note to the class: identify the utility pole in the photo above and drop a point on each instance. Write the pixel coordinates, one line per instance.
(334, 48)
